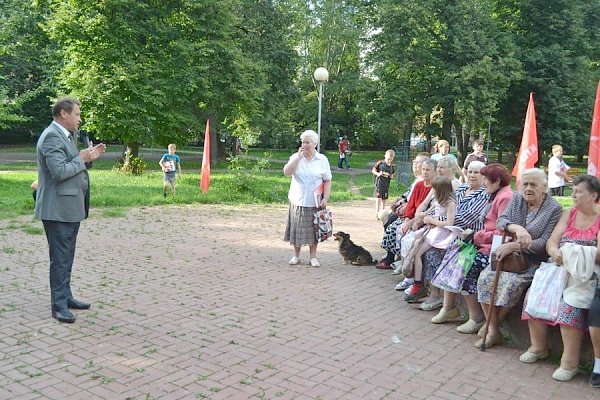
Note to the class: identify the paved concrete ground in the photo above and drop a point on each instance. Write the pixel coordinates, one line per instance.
(199, 302)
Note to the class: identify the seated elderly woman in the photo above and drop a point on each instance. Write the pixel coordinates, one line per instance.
(496, 180)
(418, 194)
(448, 167)
(579, 226)
(530, 216)
(471, 199)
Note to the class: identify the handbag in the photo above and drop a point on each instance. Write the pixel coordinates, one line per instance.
(323, 224)
(517, 262)
(545, 294)
(457, 262)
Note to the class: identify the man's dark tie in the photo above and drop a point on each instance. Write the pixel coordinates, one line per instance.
(72, 138)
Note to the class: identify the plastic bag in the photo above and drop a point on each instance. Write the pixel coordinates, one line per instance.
(449, 275)
(455, 265)
(545, 294)
(323, 223)
(466, 257)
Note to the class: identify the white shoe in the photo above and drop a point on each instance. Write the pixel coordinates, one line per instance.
(470, 327)
(314, 262)
(294, 261)
(407, 290)
(434, 305)
(405, 284)
(564, 375)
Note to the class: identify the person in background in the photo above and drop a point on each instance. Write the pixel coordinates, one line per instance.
(343, 148)
(63, 199)
(476, 155)
(557, 172)
(171, 165)
(398, 205)
(309, 171)
(383, 171)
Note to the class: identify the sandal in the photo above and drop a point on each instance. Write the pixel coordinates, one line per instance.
(530, 357)
(564, 375)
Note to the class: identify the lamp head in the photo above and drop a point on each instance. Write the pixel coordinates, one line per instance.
(321, 74)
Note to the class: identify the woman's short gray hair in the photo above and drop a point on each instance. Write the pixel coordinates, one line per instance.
(476, 165)
(450, 162)
(430, 162)
(310, 135)
(538, 174)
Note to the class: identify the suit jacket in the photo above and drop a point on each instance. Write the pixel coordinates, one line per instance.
(63, 192)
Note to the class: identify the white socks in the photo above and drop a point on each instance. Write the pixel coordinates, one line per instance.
(597, 365)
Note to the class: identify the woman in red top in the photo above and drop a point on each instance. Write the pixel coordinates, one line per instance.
(419, 193)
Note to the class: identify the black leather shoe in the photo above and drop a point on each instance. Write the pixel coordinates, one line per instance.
(64, 316)
(595, 380)
(77, 305)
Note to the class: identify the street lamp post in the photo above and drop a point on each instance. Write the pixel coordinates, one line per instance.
(321, 75)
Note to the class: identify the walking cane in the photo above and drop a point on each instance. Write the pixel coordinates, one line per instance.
(491, 306)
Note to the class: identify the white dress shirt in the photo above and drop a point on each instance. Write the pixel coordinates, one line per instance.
(307, 177)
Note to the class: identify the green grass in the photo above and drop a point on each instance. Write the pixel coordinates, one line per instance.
(114, 192)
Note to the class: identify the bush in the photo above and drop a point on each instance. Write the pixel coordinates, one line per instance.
(243, 179)
(132, 165)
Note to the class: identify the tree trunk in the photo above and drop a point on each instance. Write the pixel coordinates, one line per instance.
(131, 149)
(448, 122)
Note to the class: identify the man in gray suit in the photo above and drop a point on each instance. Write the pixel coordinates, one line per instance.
(63, 199)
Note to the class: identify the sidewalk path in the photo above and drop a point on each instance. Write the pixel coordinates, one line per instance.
(195, 302)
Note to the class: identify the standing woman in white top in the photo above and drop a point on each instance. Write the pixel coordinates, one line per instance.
(309, 170)
(557, 172)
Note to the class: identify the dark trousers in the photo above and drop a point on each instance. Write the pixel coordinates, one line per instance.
(557, 191)
(62, 238)
(341, 162)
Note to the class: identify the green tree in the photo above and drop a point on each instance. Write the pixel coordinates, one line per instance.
(26, 59)
(151, 71)
(558, 48)
(441, 65)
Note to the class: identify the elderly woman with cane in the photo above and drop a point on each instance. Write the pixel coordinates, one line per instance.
(530, 217)
(309, 171)
(578, 230)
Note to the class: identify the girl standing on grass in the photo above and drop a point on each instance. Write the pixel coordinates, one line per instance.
(444, 205)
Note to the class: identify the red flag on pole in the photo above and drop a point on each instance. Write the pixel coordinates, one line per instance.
(528, 152)
(594, 152)
(205, 171)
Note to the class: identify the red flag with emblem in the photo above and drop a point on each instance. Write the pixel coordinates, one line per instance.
(205, 171)
(594, 152)
(528, 152)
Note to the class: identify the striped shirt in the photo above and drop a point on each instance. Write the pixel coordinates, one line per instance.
(470, 208)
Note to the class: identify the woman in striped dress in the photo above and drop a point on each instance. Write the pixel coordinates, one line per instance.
(471, 200)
